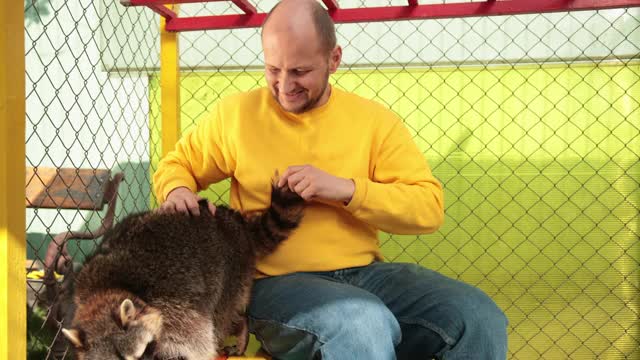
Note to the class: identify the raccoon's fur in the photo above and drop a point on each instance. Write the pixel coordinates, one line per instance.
(174, 286)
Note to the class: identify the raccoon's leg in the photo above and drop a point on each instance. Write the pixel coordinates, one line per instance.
(238, 326)
(241, 327)
(242, 334)
(240, 330)
(188, 334)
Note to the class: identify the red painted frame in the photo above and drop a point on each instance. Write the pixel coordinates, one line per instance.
(412, 11)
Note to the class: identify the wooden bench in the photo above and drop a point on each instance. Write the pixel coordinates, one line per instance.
(74, 189)
(71, 188)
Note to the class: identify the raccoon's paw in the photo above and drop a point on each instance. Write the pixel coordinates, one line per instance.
(232, 350)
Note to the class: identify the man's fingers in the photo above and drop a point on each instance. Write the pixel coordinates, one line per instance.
(181, 207)
(289, 172)
(210, 206)
(168, 208)
(184, 207)
(301, 185)
(295, 178)
(194, 209)
(283, 178)
(292, 182)
(308, 194)
(192, 205)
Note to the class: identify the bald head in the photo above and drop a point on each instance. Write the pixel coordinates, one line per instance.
(294, 16)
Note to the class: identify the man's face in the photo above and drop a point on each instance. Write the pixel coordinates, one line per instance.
(297, 69)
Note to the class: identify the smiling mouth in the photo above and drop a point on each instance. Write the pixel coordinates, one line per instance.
(294, 95)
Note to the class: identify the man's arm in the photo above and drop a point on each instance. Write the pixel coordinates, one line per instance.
(200, 158)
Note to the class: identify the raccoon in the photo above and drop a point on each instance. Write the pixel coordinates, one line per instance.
(174, 286)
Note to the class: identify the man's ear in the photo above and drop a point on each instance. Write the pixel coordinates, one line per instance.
(74, 336)
(334, 59)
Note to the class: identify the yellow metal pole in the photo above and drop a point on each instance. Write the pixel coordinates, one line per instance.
(170, 98)
(13, 280)
(169, 86)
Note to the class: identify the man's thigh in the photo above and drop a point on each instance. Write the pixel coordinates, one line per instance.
(422, 298)
(299, 313)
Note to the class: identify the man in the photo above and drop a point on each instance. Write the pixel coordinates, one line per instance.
(325, 294)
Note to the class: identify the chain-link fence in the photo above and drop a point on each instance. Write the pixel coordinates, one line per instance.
(530, 122)
(87, 95)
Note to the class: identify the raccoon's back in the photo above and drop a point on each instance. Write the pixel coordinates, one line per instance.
(162, 257)
(189, 258)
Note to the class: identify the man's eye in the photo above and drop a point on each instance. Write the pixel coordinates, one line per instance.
(300, 72)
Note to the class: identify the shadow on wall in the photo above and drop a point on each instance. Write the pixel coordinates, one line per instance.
(133, 196)
(36, 10)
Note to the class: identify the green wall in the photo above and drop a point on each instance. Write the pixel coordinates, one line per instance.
(541, 171)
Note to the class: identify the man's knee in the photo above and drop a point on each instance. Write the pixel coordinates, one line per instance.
(481, 324)
(480, 307)
(475, 310)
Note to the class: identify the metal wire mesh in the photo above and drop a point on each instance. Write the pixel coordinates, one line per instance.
(88, 104)
(530, 122)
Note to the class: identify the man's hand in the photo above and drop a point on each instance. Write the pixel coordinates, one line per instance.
(183, 200)
(312, 183)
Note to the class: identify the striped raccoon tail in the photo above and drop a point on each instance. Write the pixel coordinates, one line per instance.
(277, 222)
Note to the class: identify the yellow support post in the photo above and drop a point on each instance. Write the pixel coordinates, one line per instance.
(13, 277)
(169, 86)
(170, 99)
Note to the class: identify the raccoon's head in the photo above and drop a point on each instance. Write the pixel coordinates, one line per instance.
(128, 332)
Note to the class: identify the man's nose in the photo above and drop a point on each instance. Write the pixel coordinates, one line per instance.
(287, 83)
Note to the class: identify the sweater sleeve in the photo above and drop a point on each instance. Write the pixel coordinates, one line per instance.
(402, 196)
(201, 157)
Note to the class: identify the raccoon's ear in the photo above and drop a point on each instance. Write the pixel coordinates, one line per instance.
(74, 336)
(127, 312)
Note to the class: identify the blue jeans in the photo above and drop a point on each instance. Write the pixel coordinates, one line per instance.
(379, 311)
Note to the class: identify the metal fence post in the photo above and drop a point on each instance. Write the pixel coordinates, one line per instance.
(13, 323)
(170, 86)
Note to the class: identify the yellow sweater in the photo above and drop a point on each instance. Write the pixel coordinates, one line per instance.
(248, 136)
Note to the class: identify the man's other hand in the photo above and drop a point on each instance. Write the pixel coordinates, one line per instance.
(312, 183)
(183, 200)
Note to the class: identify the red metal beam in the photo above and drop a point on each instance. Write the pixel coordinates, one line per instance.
(163, 11)
(215, 22)
(163, 2)
(245, 6)
(331, 4)
(484, 8)
(413, 2)
(395, 13)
